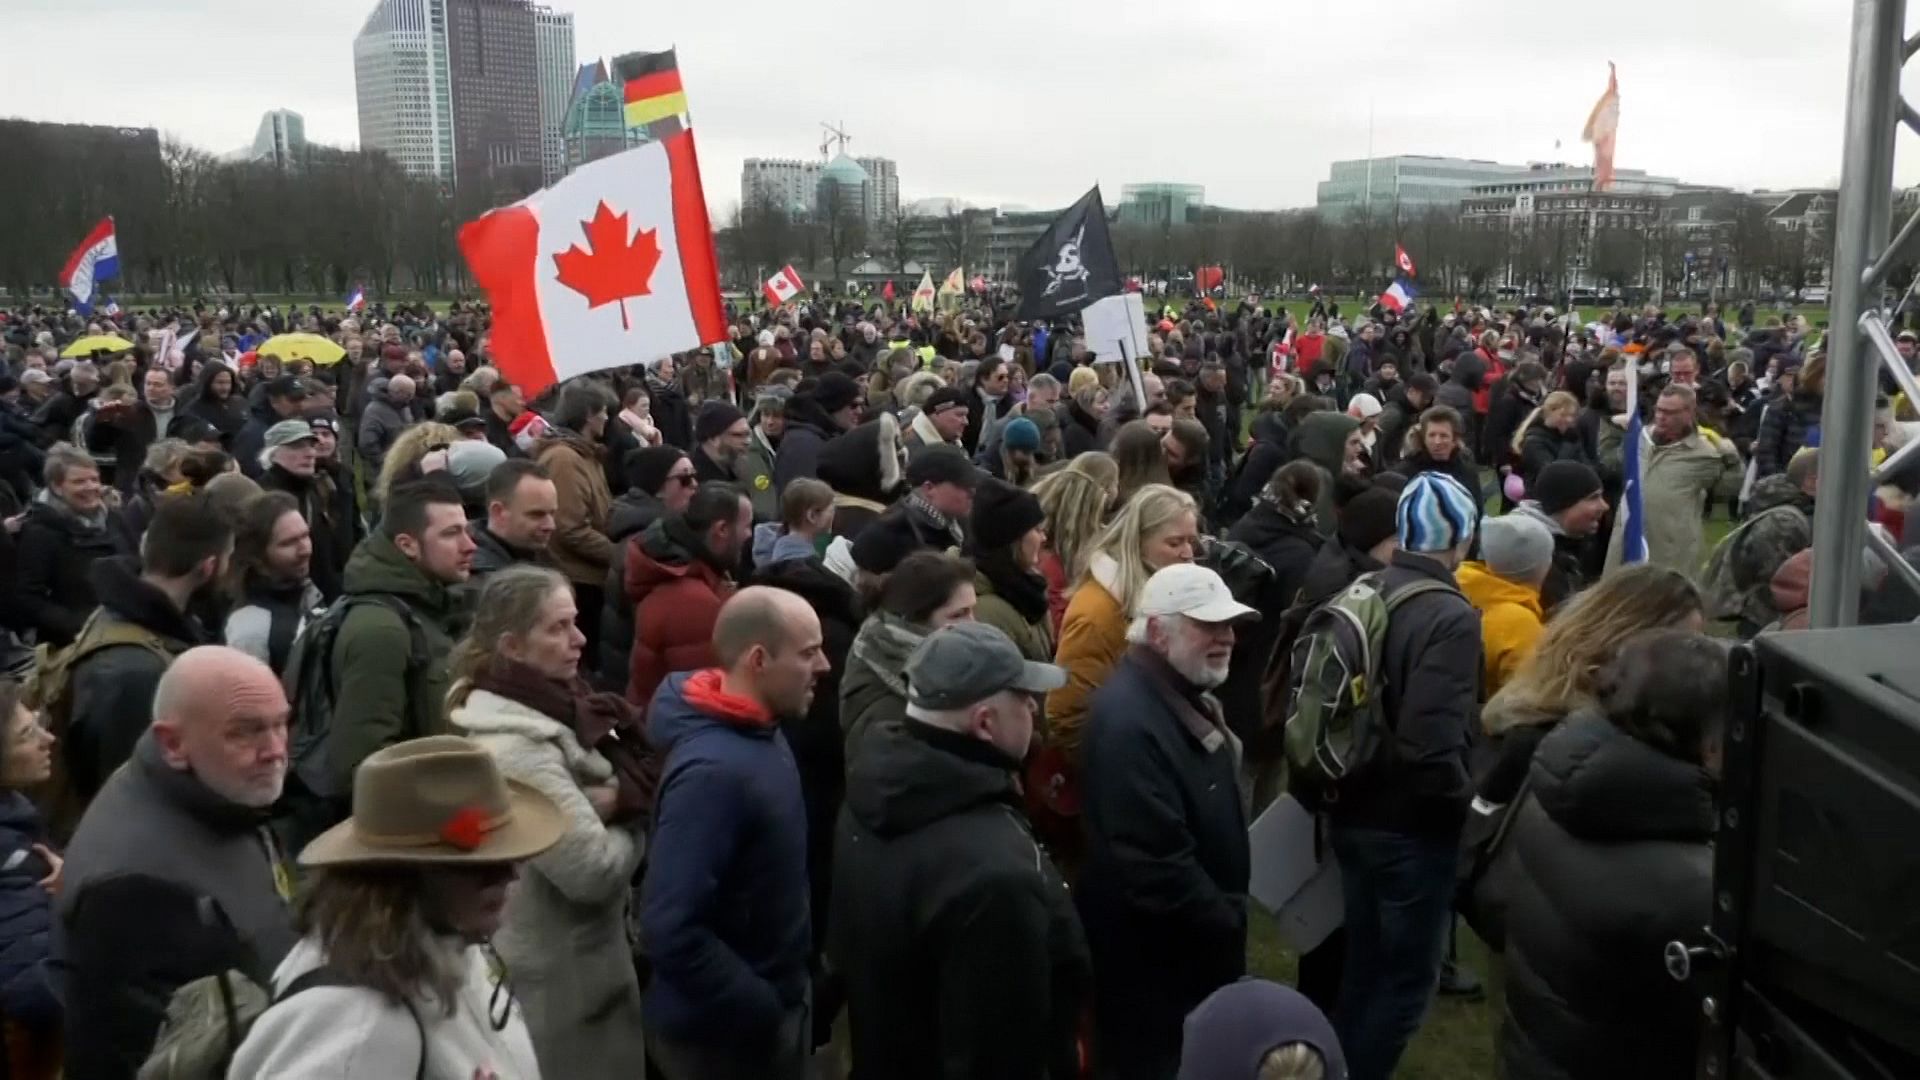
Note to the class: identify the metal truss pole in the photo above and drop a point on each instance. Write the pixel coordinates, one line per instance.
(1861, 230)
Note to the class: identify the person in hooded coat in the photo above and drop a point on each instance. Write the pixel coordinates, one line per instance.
(1612, 860)
(1282, 528)
(864, 468)
(1332, 442)
(815, 418)
(671, 414)
(660, 481)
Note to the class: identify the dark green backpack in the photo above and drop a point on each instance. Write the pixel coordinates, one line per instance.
(1336, 722)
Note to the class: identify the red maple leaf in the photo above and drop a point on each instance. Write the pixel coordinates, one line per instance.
(611, 269)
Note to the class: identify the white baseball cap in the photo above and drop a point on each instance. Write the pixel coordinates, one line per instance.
(1193, 591)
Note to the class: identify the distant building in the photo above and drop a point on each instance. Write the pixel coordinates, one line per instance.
(403, 86)
(1410, 181)
(281, 139)
(885, 178)
(782, 182)
(845, 182)
(797, 187)
(596, 119)
(1159, 203)
(553, 64)
(496, 89)
(1557, 207)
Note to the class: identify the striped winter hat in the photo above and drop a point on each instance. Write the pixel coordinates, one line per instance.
(1436, 513)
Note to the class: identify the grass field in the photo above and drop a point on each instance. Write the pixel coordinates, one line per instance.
(1350, 306)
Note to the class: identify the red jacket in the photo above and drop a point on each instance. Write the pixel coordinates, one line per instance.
(1496, 370)
(676, 600)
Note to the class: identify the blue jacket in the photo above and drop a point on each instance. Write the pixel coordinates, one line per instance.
(26, 917)
(723, 908)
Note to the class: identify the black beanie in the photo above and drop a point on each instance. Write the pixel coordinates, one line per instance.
(647, 467)
(1562, 484)
(1002, 514)
(834, 391)
(714, 420)
(1368, 517)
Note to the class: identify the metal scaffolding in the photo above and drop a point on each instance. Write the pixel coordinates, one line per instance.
(1860, 343)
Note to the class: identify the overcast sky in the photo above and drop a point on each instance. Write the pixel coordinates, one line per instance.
(1027, 102)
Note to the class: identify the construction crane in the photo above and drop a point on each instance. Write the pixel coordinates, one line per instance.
(830, 134)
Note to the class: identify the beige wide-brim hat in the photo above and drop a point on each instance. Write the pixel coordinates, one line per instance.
(437, 800)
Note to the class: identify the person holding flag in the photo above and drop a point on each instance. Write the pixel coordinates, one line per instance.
(357, 299)
(1669, 474)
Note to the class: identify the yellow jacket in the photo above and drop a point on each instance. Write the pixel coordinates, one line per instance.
(1093, 637)
(1511, 621)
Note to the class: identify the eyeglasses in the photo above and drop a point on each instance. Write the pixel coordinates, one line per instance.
(686, 478)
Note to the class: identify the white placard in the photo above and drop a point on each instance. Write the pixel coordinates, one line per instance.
(1116, 328)
(1286, 878)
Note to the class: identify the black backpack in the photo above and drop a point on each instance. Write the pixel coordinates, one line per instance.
(311, 686)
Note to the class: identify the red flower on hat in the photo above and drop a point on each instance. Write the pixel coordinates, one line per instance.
(466, 828)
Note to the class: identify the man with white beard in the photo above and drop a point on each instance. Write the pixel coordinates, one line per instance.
(1163, 891)
(174, 873)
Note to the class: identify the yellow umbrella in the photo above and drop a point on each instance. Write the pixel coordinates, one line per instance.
(94, 343)
(312, 347)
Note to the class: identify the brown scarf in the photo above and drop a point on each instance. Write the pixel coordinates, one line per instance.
(601, 721)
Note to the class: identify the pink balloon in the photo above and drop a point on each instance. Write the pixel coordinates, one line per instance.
(1515, 487)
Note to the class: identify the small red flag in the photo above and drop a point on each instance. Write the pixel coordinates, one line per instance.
(886, 293)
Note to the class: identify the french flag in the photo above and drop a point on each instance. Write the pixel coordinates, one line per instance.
(95, 260)
(1633, 529)
(357, 299)
(1399, 296)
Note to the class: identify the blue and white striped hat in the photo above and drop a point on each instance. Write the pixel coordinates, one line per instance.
(1436, 513)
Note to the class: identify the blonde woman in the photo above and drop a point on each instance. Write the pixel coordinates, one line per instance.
(403, 458)
(517, 692)
(1158, 526)
(1561, 676)
(1076, 500)
(1552, 433)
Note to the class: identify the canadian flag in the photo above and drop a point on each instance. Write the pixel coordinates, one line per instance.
(782, 286)
(611, 266)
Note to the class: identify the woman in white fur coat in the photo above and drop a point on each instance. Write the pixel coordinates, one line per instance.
(518, 693)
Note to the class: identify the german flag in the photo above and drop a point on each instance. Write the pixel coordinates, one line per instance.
(653, 89)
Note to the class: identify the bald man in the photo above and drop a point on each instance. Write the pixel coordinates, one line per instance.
(724, 903)
(388, 413)
(173, 874)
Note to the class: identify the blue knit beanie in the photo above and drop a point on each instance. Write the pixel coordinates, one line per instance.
(1228, 1035)
(1436, 513)
(1021, 434)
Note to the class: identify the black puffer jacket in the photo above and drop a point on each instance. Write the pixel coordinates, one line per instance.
(1263, 458)
(1612, 864)
(1783, 431)
(1542, 446)
(961, 950)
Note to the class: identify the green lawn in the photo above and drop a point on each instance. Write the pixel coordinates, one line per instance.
(1350, 306)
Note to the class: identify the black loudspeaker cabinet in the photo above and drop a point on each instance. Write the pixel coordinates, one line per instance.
(1811, 966)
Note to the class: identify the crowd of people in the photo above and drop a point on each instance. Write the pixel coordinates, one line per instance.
(875, 694)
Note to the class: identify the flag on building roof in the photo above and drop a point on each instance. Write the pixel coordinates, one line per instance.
(783, 286)
(1403, 260)
(1399, 296)
(357, 299)
(95, 260)
(610, 266)
(1602, 123)
(655, 98)
(1633, 529)
(923, 294)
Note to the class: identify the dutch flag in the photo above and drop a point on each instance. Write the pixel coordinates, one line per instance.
(1399, 296)
(357, 299)
(1633, 530)
(95, 260)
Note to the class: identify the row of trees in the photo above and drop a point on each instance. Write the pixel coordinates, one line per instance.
(190, 224)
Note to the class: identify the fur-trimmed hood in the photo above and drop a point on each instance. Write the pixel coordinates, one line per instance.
(865, 462)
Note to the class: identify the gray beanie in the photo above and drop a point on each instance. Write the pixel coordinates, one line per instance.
(1516, 548)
